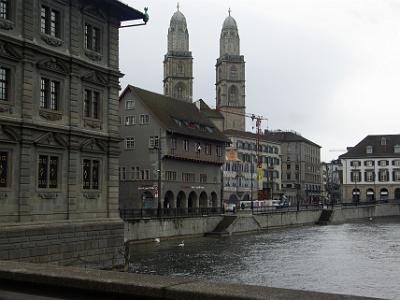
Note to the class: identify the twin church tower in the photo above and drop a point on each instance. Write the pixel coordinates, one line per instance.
(230, 70)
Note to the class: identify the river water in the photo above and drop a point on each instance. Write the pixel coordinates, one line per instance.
(357, 258)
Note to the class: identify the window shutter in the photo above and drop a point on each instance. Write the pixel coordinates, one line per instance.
(393, 176)
(365, 176)
(351, 163)
(351, 177)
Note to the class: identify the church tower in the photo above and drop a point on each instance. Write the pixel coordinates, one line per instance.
(230, 78)
(178, 62)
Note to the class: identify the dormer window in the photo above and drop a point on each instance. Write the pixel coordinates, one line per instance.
(369, 150)
(5, 9)
(397, 149)
(383, 141)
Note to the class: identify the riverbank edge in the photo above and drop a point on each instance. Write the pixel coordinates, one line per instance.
(143, 231)
(26, 280)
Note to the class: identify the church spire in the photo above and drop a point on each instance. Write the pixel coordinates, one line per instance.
(230, 77)
(178, 73)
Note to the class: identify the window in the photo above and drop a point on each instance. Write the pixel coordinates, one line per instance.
(288, 166)
(219, 151)
(355, 163)
(369, 176)
(92, 38)
(173, 143)
(383, 141)
(396, 163)
(369, 163)
(154, 142)
(186, 145)
(203, 178)
(130, 104)
(91, 174)
(207, 149)
(396, 148)
(147, 174)
(4, 83)
(130, 143)
(5, 9)
(396, 175)
(48, 172)
(91, 104)
(383, 175)
(369, 150)
(49, 94)
(130, 120)
(144, 119)
(383, 163)
(170, 175)
(355, 176)
(188, 177)
(288, 176)
(123, 173)
(4, 169)
(50, 21)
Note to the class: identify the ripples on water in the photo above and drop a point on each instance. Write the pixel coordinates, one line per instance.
(358, 258)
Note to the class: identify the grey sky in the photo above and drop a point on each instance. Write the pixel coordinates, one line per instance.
(329, 69)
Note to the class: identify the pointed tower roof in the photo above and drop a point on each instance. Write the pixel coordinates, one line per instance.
(178, 18)
(178, 35)
(229, 22)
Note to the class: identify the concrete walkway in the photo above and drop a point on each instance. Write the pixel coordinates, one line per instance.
(25, 281)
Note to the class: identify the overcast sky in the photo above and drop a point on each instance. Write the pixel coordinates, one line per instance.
(328, 69)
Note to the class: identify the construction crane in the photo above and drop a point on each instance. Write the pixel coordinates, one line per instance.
(258, 120)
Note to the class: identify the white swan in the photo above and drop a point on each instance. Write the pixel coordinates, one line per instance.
(181, 244)
(157, 240)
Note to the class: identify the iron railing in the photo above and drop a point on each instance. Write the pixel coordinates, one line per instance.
(132, 214)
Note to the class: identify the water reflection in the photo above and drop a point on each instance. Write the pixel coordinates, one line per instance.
(360, 258)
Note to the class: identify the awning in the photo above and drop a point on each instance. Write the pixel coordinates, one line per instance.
(356, 192)
(370, 193)
(384, 192)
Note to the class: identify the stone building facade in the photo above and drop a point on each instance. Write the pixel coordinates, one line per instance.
(170, 136)
(230, 78)
(371, 170)
(301, 167)
(178, 62)
(59, 139)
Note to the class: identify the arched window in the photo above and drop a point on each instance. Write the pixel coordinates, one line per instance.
(233, 73)
(180, 91)
(356, 195)
(370, 195)
(233, 94)
(180, 69)
(384, 194)
(219, 98)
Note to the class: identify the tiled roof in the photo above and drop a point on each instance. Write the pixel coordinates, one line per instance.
(249, 135)
(378, 148)
(209, 112)
(179, 116)
(288, 136)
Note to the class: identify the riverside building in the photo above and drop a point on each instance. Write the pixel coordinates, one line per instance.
(59, 83)
(371, 169)
(171, 154)
(301, 170)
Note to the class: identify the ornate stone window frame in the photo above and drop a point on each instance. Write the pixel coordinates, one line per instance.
(49, 39)
(49, 193)
(52, 69)
(9, 24)
(7, 106)
(90, 193)
(94, 17)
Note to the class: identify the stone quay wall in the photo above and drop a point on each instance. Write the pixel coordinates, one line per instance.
(344, 214)
(95, 243)
(148, 229)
